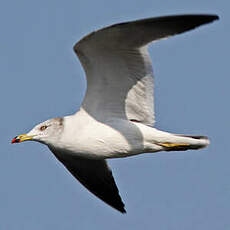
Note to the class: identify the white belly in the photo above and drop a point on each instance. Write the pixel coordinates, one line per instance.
(117, 138)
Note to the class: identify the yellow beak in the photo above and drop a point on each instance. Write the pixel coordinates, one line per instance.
(21, 138)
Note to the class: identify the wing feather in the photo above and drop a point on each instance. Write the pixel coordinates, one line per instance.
(118, 67)
(95, 175)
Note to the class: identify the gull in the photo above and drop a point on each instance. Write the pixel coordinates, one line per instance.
(116, 118)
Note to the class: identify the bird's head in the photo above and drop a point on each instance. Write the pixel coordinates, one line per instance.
(46, 132)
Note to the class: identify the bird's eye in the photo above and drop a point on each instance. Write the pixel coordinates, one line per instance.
(42, 128)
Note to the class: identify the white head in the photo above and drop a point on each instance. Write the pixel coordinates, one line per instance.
(47, 132)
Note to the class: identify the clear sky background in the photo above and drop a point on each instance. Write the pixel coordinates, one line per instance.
(41, 78)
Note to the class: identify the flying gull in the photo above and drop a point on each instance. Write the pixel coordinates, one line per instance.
(116, 117)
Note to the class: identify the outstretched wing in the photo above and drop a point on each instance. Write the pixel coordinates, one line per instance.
(118, 66)
(95, 175)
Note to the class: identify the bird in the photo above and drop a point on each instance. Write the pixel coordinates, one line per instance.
(116, 118)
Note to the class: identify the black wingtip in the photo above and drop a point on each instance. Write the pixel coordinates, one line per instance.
(120, 206)
(215, 17)
(211, 17)
(194, 19)
(122, 210)
(200, 19)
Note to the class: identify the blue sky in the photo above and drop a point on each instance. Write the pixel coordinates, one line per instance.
(41, 78)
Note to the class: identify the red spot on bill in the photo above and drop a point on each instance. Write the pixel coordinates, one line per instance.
(15, 140)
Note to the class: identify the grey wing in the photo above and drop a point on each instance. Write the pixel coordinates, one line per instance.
(119, 69)
(96, 176)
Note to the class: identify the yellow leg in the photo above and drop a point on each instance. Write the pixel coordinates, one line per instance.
(169, 145)
(176, 146)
